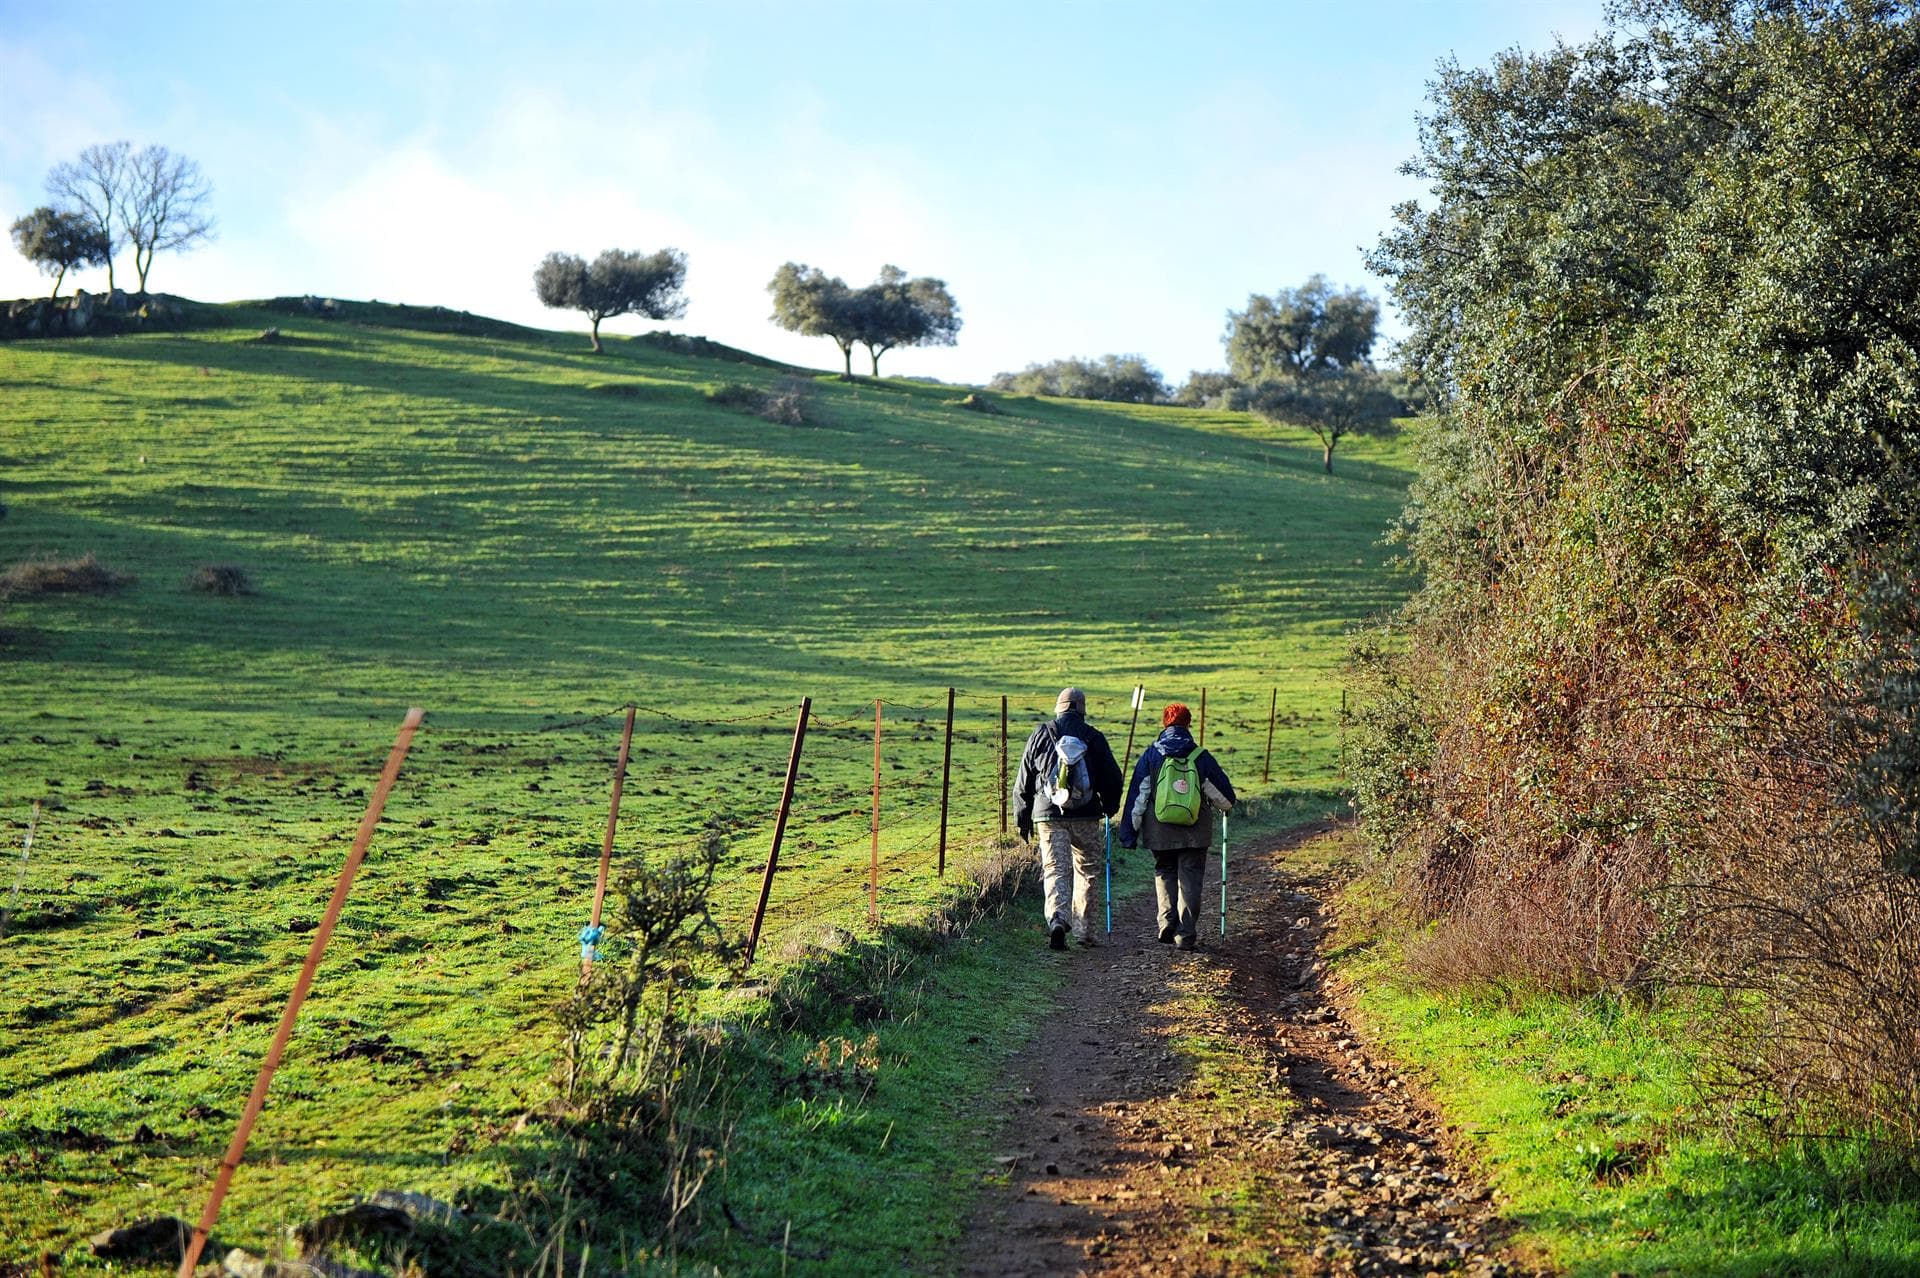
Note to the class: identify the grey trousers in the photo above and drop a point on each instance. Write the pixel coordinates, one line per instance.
(1177, 877)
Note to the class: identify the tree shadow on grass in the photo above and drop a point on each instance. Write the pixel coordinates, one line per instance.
(340, 361)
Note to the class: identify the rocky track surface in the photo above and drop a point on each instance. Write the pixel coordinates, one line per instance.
(1215, 1113)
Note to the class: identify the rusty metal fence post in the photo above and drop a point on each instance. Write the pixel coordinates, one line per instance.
(237, 1148)
(1202, 739)
(591, 937)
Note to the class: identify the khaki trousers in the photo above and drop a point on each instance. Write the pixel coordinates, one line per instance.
(1071, 853)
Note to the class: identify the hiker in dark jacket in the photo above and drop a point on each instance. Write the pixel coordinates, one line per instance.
(1068, 780)
(1179, 851)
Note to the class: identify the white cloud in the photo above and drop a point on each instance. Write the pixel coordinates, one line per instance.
(52, 112)
(462, 222)
(461, 218)
(1173, 213)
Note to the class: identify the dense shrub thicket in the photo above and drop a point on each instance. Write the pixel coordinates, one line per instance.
(1652, 713)
(1123, 379)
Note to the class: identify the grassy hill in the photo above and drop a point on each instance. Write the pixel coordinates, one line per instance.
(521, 537)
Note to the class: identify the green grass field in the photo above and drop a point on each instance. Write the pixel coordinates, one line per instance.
(522, 537)
(1589, 1119)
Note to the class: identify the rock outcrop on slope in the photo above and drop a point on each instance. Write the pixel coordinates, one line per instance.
(85, 313)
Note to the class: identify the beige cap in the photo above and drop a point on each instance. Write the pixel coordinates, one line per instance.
(1070, 699)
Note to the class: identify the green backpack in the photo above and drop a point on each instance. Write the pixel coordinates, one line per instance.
(1176, 791)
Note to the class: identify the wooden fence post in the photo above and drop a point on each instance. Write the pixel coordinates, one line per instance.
(1343, 734)
(779, 829)
(873, 871)
(1139, 699)
(946, 785)
(1203, 717)
(237, 1148)
(606, 848)
(1266, 769)
(26, 851)
(1003, 765)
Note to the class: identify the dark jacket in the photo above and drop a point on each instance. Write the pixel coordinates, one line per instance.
(1137, 823)
(1037, 765)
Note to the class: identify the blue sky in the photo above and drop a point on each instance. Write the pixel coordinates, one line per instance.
(1088, 178)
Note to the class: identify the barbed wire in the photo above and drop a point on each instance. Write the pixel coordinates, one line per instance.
(928, 716)
(895, 860)
(926, 843)
(974, 782)
(751, 717)
(562, 727)
(817, 720)
(910, 708)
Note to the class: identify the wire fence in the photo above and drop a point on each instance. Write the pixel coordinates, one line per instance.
(832, 826)
(830, 822)
(861, 802)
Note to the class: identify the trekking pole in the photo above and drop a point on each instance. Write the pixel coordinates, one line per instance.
(1223, 874)
(1106, 824)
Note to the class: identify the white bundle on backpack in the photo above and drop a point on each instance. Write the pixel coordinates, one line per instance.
(1072, 784)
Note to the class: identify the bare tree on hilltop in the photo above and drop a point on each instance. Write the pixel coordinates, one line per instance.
(151, 199)
(95, 186)
(164, 207)
(618, 282)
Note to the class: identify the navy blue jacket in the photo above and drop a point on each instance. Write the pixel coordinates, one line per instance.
(1030, 788)
(1175, 742)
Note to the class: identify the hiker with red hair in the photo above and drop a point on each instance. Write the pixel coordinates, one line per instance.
(1173, 785)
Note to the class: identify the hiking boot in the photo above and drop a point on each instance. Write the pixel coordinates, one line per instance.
(1057, 938)
(1088, 941)
(1165, 936)
(1185, 943)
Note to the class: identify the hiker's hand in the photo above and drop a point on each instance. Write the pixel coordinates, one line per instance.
(1025, 822)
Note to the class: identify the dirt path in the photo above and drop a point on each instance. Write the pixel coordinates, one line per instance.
(1212, 1113)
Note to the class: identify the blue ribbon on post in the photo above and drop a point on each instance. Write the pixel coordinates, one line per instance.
(590, 937)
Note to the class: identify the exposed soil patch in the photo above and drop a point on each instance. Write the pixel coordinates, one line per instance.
(379, 1049)
(1213, 1113)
